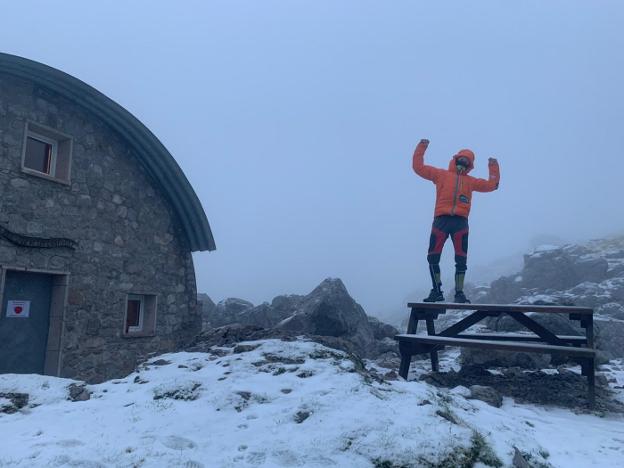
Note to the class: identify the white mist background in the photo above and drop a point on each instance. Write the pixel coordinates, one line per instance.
(295, 123)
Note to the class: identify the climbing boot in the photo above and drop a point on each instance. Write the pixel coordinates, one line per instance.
(435, 295)
(460, 298)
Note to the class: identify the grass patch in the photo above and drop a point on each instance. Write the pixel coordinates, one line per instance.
(446, 413)
(467, 457)
(536, 460)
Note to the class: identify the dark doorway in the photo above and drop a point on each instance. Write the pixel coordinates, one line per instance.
(25, 322)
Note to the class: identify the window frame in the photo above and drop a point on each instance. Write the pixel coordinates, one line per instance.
(139, 327)
(53, 157)
(62, 147)
(147, 315)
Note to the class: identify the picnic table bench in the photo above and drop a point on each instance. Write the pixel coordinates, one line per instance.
(577, 347)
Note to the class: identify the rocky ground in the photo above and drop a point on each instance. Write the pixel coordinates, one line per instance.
(292, 402)
(328, 311)
(562, 387)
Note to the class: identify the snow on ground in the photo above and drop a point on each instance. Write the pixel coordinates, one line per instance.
(286, 404)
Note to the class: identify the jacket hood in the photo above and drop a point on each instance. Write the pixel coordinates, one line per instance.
(465, 153)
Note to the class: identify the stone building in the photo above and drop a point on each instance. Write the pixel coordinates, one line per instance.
(97, 226)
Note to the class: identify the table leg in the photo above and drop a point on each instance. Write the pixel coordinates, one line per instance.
(435, 365)
(412, 324)
(406, 358)
(591, 371)
(589, 331)
(591, 382)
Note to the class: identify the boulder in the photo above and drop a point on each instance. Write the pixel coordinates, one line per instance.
(234, 310)
(477, 293)
(330, 311)
(381, 330)
(591, 268)
(205, 303)
(557, 323)
(228, 311)
(504, 290)
(206, 306)
(611, 309)
(389, 360)
(78, 392)
(13, 402)
(263, 315)
(608, 333)
(518, 460)
(286, 304)
(233, 306)
(609, 337)
(556, 270)
(562, 268)
(617, 271)
(615, 288)
(486, 394)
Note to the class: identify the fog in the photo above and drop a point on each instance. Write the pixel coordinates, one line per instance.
(295, 122)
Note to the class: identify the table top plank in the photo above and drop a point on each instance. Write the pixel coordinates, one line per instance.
(518, 337)
(506, 308)
(484, 344)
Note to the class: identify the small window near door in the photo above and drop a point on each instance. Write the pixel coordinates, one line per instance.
(47, 153)
(134, 314)
(140, 316)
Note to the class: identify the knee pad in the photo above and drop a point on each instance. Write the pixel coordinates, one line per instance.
(433, 259)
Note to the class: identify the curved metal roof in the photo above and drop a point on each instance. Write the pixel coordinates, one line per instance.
(152, 154)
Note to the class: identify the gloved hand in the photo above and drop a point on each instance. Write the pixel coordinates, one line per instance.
(424, 141)
(492, 161)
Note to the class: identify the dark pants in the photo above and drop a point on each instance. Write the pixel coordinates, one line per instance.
(457, 228)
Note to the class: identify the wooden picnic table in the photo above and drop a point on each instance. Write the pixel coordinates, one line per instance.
(577, 347)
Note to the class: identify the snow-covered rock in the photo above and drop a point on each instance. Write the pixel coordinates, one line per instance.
(327, 311)
(487, 394)
(589, 275)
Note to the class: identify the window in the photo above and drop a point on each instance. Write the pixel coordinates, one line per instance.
(134, 314)
(40, 154)
(47, 153)
(140, 316)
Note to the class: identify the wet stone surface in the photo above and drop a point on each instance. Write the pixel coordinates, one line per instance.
(564, 388)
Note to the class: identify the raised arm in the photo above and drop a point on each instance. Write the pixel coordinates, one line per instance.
(482, 185)
(418, 162)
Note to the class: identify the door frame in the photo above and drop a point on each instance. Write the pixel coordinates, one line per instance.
(58, 303)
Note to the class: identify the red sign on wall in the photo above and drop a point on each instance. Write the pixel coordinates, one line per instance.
(19, 309)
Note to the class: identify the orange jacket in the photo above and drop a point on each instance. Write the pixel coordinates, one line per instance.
(453, 190)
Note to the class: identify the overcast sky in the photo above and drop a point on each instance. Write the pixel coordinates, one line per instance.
(295, 122)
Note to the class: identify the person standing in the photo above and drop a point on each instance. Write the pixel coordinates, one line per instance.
(454, 188)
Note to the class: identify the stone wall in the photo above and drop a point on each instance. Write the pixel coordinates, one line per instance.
(129, 240)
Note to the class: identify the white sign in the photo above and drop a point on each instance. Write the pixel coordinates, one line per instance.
(18, 309)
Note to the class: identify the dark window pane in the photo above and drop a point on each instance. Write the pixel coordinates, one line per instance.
(38, 155)
(133, 314)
